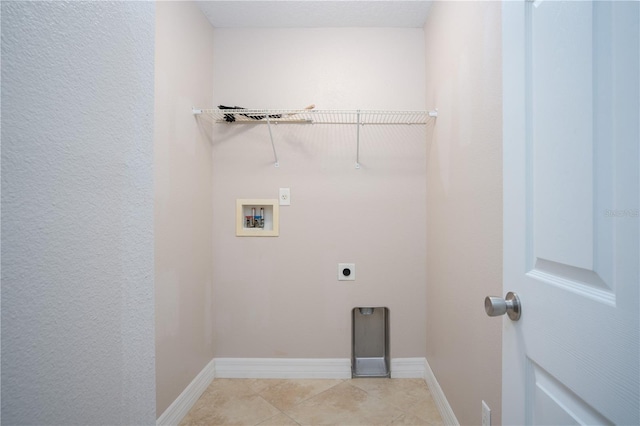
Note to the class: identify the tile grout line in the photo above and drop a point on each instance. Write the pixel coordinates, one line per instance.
(319, 393)
(296, 404)
(276, 415)
(396, 418)
(405, 412)
(268, 403)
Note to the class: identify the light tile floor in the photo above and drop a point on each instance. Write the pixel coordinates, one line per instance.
(376, 401)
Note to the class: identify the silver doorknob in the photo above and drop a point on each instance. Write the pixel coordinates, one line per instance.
(510, 305)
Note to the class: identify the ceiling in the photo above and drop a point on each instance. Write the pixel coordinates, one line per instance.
(315, 13)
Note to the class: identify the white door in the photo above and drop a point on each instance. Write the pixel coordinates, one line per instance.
(571, 236)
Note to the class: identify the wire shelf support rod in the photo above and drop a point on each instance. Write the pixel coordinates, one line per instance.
(273, 146)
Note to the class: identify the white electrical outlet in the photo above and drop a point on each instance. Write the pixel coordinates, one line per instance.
(285, 197)
(486, 414)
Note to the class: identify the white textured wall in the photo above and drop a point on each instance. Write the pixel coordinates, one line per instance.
(279, 296)
(183, 198)
(464, 199)
(77, 213)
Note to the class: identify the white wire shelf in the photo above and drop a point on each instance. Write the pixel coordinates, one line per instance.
(310, 116)
(305, 116)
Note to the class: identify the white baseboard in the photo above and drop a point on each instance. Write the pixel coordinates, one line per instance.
(407, 368)
(183, 403)
(305, 368)
(446, 412)
(283, 368)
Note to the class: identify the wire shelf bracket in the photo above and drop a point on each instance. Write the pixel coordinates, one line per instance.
(273, 146)
(358, 142)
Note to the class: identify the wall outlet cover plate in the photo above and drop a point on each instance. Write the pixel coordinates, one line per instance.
(346, 271)
(285, 196)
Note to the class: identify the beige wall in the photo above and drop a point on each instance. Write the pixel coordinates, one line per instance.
(182, 162)
(279, 296)
(464, 199)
